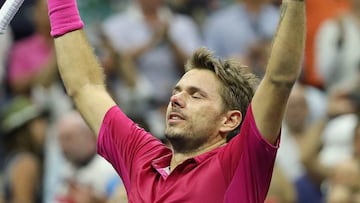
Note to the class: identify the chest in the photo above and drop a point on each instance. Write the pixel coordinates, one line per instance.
(190, 182)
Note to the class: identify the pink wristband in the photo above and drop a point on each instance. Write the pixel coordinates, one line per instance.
(64, 17)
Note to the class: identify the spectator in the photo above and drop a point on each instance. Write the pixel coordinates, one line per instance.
(78, 182)
(344, 182)
(32, 59)
(297, 126)
(23, 129)
(328, 147)
(317, 12)
(337, 56)
(338, 134)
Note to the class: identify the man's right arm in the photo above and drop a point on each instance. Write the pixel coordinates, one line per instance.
(79, 68)
(83, 77)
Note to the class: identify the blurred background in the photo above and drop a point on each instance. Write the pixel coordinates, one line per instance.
(142, 46)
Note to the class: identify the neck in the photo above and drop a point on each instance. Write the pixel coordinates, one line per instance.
(180, 157)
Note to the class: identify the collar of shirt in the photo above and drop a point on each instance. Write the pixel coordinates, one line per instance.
(161, 165)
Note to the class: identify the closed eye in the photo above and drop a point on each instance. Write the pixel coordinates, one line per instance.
(176, 90)
(196, 95)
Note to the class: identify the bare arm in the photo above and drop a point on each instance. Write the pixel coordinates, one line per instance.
(282, 70)
(83, 77)
(25, 176)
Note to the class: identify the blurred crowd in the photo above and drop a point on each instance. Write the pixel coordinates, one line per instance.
(48, 153)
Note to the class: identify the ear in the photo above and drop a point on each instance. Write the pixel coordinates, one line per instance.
(232, 120)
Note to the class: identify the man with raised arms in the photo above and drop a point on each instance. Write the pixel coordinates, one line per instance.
(214, 100)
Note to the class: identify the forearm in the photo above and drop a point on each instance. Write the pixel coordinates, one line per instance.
(77, 63)
(283, 68)
(78, 66)
(83, 77)
(288, 45)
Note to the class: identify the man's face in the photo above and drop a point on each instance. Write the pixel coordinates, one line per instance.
(195, 110)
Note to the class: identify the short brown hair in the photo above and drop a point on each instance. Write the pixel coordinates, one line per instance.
(239, 83)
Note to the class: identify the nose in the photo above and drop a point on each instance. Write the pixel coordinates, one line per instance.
(177, 100)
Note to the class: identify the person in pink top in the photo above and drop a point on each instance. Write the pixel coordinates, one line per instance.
(31, 60)
(213, 100)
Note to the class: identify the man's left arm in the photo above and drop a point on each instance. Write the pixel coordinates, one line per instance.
(282, 71)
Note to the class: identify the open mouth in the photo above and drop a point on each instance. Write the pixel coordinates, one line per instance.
(175, 117)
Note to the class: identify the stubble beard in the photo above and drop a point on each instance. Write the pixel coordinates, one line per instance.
(182, 142)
